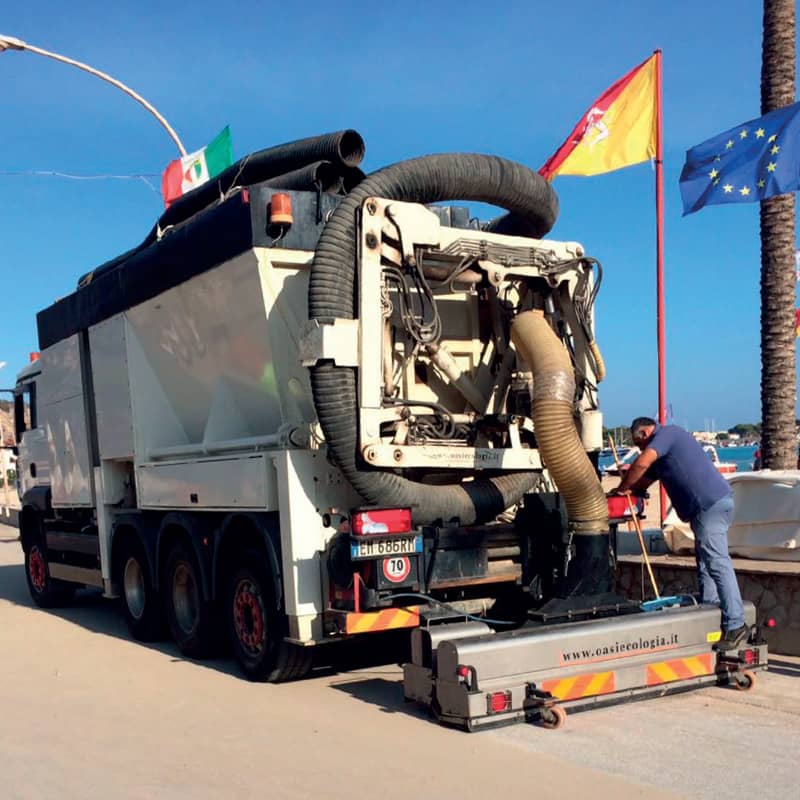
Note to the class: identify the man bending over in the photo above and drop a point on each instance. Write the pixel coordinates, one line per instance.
(701, 497)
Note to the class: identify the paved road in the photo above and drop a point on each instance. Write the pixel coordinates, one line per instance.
(87, 713)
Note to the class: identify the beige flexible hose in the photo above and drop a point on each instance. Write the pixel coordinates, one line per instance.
(599, 362)
(554, 424)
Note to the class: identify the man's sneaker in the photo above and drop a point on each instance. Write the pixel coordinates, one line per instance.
(732, 639)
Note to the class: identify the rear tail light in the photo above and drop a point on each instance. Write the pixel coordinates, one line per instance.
(749, 657)
(770, 623)
(498, 701)
(463, 672)
(381, 520)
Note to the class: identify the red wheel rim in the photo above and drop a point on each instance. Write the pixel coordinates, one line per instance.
(249, 617)
(37, 569)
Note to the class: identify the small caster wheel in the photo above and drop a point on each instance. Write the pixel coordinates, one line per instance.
(553, 718)
(745, 681)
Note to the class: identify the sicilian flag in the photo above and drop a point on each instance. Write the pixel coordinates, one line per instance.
(618, 130)
(190, 171)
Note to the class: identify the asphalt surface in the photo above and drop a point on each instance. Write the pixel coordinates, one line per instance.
(85, 712)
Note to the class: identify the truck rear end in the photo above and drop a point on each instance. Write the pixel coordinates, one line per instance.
(313, 404)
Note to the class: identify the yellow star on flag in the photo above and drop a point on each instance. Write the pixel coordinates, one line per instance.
(773, 137)
(743, 134)
(761, 183)
(728, 188)
(713, 174)
(760, 133)
(729, 144)
(744, 191)
(771, 166)
(775, 150)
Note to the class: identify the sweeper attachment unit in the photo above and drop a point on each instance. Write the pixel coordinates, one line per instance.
(471, 677)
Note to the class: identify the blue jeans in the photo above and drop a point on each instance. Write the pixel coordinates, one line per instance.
(715, 574)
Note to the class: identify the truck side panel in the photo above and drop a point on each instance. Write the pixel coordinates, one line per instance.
(62, 410)
(241, 482)
(308, 488)
(112, 394)
(202, 350)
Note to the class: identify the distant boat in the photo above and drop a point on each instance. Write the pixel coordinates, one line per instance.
(724, 467)
(626, 455)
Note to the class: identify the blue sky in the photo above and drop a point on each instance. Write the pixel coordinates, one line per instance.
(508, 78)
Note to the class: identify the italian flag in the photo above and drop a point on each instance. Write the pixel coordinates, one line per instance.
(190, 171)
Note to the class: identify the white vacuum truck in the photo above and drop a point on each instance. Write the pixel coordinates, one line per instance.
(314, 404)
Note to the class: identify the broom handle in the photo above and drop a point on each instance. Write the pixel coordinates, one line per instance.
(635, 521)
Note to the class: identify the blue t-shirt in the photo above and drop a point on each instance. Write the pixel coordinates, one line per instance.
(687, 473)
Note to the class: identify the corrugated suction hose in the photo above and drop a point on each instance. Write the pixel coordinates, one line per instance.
(343, 149)
(554, 424)
(331, 295)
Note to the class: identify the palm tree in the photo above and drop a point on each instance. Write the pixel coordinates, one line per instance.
(778, 281)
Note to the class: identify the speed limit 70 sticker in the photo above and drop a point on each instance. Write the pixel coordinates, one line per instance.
(396, 569)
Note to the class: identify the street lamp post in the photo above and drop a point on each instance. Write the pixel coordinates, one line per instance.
(12, 43)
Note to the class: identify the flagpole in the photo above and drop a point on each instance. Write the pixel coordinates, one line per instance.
(662, 381)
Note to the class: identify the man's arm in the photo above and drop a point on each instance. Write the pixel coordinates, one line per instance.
(633, 477)
(643, 484)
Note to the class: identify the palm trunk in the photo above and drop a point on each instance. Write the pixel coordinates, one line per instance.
(778, 282)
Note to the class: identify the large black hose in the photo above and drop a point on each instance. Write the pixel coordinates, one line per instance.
(513, 225)
(343, 148)
(321, 174)
(351, 177)
(428, 179)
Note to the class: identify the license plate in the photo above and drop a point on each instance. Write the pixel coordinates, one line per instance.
(395, 545)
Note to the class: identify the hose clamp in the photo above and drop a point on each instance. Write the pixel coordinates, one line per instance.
(553, 385)
(588, 527)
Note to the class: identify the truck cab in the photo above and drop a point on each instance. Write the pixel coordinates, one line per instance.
(33, 472)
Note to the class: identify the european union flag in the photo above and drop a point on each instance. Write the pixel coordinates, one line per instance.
(746, 164)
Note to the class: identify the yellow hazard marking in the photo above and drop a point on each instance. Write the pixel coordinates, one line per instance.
(714, 636)
(679, 669)
(581, 685)
(382, 620)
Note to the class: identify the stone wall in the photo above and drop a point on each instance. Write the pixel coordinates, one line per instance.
(773, 587)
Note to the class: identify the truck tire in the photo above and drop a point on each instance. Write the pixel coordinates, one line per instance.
(45, 591)
(189, 616)
(141, 604)
(256, 626)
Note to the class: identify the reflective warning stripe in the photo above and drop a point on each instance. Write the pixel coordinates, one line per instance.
(581, 685)
(680, 669)
(382, 620)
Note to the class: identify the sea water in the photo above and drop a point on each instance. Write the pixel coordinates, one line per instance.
(741, 456)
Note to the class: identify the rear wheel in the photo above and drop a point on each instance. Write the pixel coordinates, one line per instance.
(257, 627)
(553, 718)
(140, 601)
(189, 616)
(744, 681)
(46, 592)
